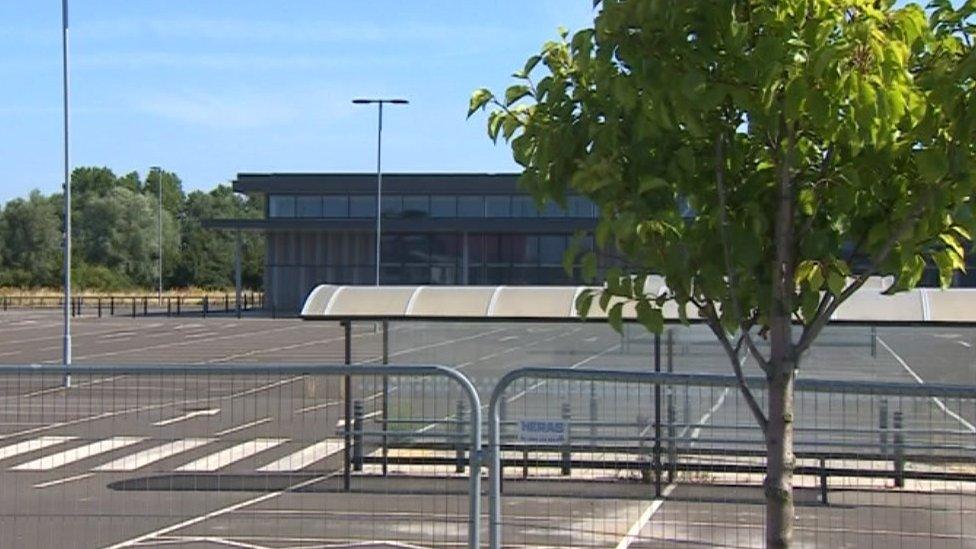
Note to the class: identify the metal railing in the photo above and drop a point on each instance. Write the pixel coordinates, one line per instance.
(140, 305)
(141, 454)
(693, 431)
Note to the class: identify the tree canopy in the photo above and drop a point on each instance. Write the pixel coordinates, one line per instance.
(765, 157)
(115, 234)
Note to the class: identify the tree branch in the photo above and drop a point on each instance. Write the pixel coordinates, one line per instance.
(733, 354)
(727, 251)
(823, 316)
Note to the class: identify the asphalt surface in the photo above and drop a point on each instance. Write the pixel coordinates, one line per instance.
(204, 460)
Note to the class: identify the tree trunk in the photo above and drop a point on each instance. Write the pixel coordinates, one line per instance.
(778, 486)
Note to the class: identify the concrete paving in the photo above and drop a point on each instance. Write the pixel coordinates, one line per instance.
(203, 460)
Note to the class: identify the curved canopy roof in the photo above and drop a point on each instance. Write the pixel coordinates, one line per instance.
(868, 305)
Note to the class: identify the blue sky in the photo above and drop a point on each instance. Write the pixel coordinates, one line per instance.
(209, 89)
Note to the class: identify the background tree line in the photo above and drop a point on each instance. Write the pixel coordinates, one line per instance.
(115, 238)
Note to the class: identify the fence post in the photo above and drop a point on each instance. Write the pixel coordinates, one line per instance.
(594, 413)
(226, 303)
(169, 306)
(459, 435)
(883, 426)
(567, 456)
(99, 307)
(823, 481)
(179, 305)
(206, 305)
(899, 454)
(111, 306)
(347, 407)
(145, 306)
(133, 307)
(644, 425)
(657, 417)
(672, 449)
(385, 410)
(357, 435)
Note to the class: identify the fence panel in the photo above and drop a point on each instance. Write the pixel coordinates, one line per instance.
(246, 456)
(610, 458)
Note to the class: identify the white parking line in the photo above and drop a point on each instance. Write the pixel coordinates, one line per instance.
(233, 454)
(32, 445)
(305, 457)
(242, 427)
(220, 512)
(77, 454)
(938, 402)
(187, 416)
(63, 480)
(152, 455)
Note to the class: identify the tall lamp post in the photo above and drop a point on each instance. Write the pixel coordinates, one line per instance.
(159, 231)
(66, 241)
(379, 168)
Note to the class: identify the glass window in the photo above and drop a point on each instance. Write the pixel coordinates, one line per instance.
(281, 206)
(498, 206)
(362, 206)
(416, 206)
(493, 249)
(444, 248)
(525, 249)
(391, 250)
(551, 209)
(523, 206)
(392, 205)
(416, 248)
(443, 206)
(580, 206)
(551, 249)
(309, 206)
(335, 206)
(471, 206)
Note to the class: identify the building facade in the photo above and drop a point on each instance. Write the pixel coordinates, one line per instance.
(436, 229)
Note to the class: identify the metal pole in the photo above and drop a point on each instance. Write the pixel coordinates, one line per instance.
(657, 417)
(237, 274)
(159, 234)
(386, 397)
(347, 409)
(379, 189)
(66, 343)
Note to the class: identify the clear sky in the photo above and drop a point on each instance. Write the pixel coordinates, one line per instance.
(209, 89)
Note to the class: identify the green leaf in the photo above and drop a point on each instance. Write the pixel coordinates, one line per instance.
(514, 93)
(835, 282)
(932, 164)
(651, 183)
(479, 99)
(650, 317)
(615, 316)
(584, 302)
(530, 64)
(588, 266)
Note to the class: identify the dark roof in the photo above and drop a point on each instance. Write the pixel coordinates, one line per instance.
(312, 183)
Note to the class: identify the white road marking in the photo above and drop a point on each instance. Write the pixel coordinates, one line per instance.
(522, 393)
(220, 512)
(233, 454)
(591, 339)
(708, 415)
(75, 385)
(32, 445)
(314, 407)
(938, 402)
(242, 427)
(189, 415)
(964, 344)
(635, 529)
(64, 480)
(342, 422)
(114, 335)
(152, 455)
(508, 338)
(305, 457)
(77, 454)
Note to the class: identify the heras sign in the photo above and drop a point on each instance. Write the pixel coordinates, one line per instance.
(543, 431)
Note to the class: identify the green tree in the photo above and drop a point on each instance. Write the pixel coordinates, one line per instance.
(30, 240)
(173, 195)
(117, 230)
(207, 255)
(803, 134)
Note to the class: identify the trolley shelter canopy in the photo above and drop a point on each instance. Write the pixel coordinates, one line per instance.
(869, 305)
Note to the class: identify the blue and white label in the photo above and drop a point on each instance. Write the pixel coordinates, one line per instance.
(543, 431)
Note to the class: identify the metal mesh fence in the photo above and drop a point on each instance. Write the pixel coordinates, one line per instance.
(599, 458)
(239, 456)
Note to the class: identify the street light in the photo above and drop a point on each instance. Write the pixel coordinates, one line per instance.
(159, 230)
(66, 342)
(379, 168)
